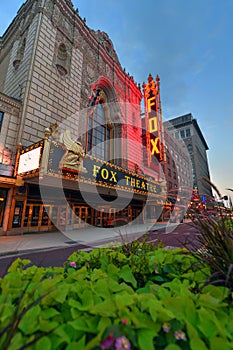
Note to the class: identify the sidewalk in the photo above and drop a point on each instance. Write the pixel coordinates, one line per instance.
(90, 236)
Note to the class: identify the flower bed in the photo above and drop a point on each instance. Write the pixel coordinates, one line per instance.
(130, 297)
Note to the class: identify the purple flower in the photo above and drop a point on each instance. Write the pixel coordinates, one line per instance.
(122, 343)
(180, 335)
(166, 327)
(107, 342)
(73, 264)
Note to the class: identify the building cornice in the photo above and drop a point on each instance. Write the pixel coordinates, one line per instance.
(8, 101)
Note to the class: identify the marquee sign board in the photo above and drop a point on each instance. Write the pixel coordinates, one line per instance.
(29, 161)
(110, 175)
(101, 173)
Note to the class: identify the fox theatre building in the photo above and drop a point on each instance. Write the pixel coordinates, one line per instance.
(65, 188)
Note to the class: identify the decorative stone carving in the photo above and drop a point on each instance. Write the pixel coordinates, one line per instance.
(20, 52)
(62, 54)
(107, 44)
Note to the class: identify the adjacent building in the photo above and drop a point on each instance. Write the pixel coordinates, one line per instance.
(186, 128)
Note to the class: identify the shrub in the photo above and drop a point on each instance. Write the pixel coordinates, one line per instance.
(98, 301)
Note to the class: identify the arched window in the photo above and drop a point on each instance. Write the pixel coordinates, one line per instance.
(99, 132)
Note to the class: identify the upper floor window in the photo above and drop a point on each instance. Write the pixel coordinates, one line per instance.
(182, 134)
(188, 133)
(99, 133)
(190, 147)
(1, 119)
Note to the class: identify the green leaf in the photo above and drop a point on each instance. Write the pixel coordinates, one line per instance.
(208, 301)
(18, 264)
(46, 326)
(101, 288)
(217, 343)
(93, 343)
(60, 293)
(30, 321)
(79, 345)
(87, 300)
(195, 341)
(106, 309)
(145, 339)
(43, 343)
(62, 333)
(49, 313)
(104, 323)
(16, 342)
(127, 275)
(206, 322)
(123, 300)
(116, 287)
(216, 292)
(113, 271)
(172, 347)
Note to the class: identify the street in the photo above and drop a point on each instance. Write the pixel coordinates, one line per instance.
(180, 236)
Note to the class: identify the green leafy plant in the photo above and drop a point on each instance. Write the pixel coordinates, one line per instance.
(215, 248)
(21, 296)
(98, 302)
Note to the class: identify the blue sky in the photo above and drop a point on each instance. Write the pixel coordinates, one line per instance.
(189, 45)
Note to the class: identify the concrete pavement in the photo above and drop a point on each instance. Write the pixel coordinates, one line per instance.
(90, 236)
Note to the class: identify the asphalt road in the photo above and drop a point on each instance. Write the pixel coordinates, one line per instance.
(183, 235)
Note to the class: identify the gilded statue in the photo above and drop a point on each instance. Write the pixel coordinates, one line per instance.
(75, 153)
(73, 157)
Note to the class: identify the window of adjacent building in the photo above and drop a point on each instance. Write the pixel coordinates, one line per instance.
(190, 147)
(188, 133)
(1, 119)
(98, 134)
(177, 135)
(182, 134)
(169, 172)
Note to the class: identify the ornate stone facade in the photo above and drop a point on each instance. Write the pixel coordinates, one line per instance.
(51, 60)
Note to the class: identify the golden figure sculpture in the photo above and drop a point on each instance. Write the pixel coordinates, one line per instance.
(75, 153)
(73, 158)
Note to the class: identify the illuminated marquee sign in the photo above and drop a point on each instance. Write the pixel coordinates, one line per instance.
(110, 175)
(29, 161)
(154, 118)
(102, 173)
